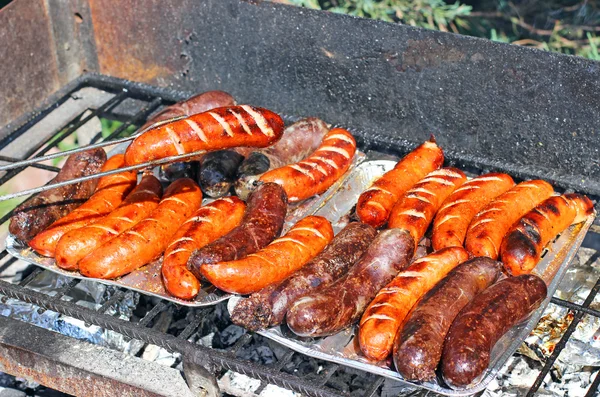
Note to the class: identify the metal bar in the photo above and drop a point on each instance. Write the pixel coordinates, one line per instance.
(6, 264)
(593, 389)
(40, 166)
(563, 341)
(373, 389)
(152, 313)
(191, 327)
(575, 307)
(119, 294)
(140, 166)
(327, 373)
(31, 276)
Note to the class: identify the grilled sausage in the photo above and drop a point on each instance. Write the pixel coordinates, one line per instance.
(273, 263)
(418, 346)
(384, 315)
(148, 238)
(375, 204)
(268, 307)
(337, 306)
(320, 170)
(490, 225)
(453, 218)
(482, 323)
(216, 129)
(218, 171)
(298, 141)
(261, 224)
(522, 247)
(417, 207)
(111, 191)
(76, 244)
(206, 225)
(197, 104)
(44, 208)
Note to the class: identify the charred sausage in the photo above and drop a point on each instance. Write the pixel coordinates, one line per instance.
(261, 224)
(382, 319)
(43, 209)
(111, 191)
(416, 209)
(148, 238)
(482, 323)
(216, 129)
(218, 171)
(490, 225)
(375, 204)
(339, 305)
(455, 214)
(418, 346)
(206, 225)
(76, 244)
(298, 141)
(273, 263)
(320, 170)
(268, 307)
(522, 247)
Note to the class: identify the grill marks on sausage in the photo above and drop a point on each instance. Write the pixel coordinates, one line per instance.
(416, 209)
(522, 247)
(490, 225)
(320, 170)
(375, 204)
(268, 307)
(206, 225)
(385, 314)
(463, 204)
(273, 263)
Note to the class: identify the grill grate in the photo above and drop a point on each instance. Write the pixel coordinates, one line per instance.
(216, 360)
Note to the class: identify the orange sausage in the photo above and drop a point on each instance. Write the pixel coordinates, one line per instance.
(219, 128)
(375, 204)
(148, 238)
(273, 263)
(206, 225)
(76, 244)
(319, 171)
(453, 218)
(382, 319)
(416, 209)
(490, 225)
(110, 192)
(521, 248)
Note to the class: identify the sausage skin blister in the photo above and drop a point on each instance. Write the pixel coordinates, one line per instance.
(418, 346)
(340, 304)
(215, 129)
(382, 319)
(273, 263)
(76, 244)
(453, 218)
(482, 323)
(298, 141)
(522, 247)
(210, 222)
(490, 225)
(110, 193)
(319, 171)
(44, 208)
(417, 207)
(148, 238)
(268, 307)
(262, 223)
(375, 204)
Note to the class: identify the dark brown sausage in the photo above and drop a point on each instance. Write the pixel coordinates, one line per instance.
(41, 210)
(262, 223)
(418, 346)
(268, 307)
(482, 323)
(342, 303)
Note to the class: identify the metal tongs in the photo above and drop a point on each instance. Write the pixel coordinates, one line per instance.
(148, 164)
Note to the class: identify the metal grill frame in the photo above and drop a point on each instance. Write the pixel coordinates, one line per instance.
(211, 360)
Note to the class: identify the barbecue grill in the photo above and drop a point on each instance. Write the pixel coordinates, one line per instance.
(492, 107)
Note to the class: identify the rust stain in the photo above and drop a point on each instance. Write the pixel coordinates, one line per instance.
(424, 54)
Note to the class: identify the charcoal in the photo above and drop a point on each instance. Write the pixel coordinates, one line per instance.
(228, 336)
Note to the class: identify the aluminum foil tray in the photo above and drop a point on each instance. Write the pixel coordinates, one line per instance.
(147, 279)
(342, 348)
